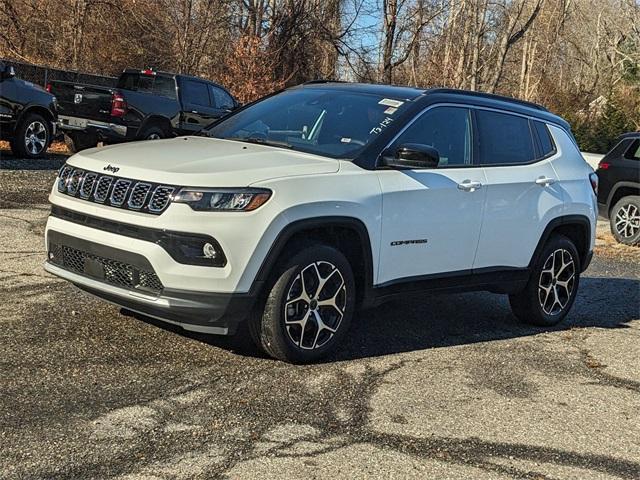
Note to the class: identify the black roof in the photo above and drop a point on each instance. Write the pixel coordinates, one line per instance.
(629, 135)
(448, 95)
(393, 91)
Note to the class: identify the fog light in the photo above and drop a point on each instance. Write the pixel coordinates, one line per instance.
(209, 251)
(51, 256)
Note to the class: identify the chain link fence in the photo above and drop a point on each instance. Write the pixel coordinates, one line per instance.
(41, 75)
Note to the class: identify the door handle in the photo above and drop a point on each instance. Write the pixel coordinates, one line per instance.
(544, 181)
(469, 185)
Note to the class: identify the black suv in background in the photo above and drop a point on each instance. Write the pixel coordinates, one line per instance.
(145, 105)
(619, 189)
(27, 114)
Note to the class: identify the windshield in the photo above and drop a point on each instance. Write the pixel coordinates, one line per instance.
(333, 123)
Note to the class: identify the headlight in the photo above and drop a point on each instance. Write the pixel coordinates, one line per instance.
(220, 199)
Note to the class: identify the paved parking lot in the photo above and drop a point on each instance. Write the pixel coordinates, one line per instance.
(447, 386)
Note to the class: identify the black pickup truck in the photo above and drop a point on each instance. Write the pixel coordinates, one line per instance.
(27, 115)
(144, 105)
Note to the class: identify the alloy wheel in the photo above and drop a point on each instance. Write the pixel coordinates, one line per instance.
(627, 221)
(35, 137)
(315, 305)
(556, 282)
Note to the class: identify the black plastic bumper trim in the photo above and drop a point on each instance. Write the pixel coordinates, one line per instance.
(208, 311)
(165, 238)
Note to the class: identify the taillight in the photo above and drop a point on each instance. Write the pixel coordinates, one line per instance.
(118, 105)
(603, 165)
(48, 87)
(593, 178)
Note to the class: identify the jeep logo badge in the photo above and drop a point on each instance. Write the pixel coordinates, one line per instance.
(110, 168)
(77, 98)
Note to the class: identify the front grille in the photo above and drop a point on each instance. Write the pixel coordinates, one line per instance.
(119, 192)
(88, 182)
(102, 190)
(160, 198)
(74, 181)
(111, 271)
(114, 191)
(139, 195)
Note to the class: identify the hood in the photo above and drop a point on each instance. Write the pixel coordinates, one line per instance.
(201, 161)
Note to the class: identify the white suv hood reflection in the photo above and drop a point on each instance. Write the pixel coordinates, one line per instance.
(200, 161)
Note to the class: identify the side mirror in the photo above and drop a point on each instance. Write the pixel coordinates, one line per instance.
(8, 71)
(413, 156)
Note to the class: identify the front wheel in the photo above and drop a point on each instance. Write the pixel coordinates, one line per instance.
(308, 308)
(552, 286)
(32, 136)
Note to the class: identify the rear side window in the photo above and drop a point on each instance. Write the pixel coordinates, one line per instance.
(633, 153)
(504, 139)
(145, 84)
(619, 150)
(545, 143)
(196, 93)
(221, 99)
(165, 87)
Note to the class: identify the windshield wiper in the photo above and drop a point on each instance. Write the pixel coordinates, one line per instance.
(261, 141)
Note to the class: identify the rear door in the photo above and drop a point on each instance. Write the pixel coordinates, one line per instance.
(522, 189)
(198, 109)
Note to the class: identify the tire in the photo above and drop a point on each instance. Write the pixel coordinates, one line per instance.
(152, 133)
(625, 220)
(291, 333)
(76, 142)
(32, 136)
(552, 286)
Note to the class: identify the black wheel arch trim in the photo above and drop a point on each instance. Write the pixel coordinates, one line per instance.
(159, 121)
(567, 220)
(287, 233)
(36, 108)
(617, 186)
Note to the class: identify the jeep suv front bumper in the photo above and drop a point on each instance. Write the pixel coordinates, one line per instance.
(127, 279)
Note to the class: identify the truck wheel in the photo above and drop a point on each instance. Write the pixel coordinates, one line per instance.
(152, 133)
(625, 220)
(552, 286)
(309, 306)
(76, 142)
(32, 136)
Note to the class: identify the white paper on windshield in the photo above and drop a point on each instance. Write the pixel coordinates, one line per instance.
(390, 102)
(390, 111)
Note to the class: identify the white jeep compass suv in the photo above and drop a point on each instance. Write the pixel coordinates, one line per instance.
(296, 210)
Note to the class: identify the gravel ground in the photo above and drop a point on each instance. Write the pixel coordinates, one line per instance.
(447, 386)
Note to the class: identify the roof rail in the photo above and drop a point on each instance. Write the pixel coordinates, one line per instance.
(488, 95)
(322, 80)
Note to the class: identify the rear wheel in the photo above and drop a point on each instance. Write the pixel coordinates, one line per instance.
(32, 136)
(153, 133)
(308, 308)
(625, 220)
(553, 285)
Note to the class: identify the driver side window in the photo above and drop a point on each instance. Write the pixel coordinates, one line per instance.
(447, 129)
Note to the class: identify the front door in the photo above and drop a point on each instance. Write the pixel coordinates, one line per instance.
(197, 104)
(431, 218)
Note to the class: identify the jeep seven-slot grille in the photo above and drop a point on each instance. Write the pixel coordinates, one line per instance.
(115, 191)
(114, 272)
